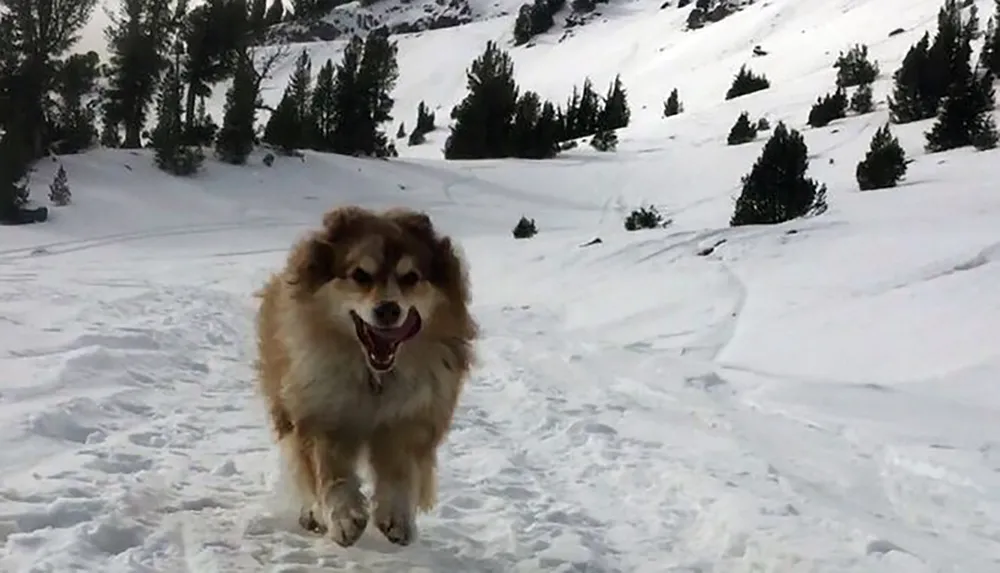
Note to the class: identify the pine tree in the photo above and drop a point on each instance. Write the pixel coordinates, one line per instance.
(483, 119)
(862, 101)
(912, 95)
(884, 164)
(966, 117)
(615, 113)
(291, 125)
(746, 82)
(989, 56)
(854, 68)
(673, 104)
(75, 129)
(59, 192)
(167, 137)
(742, 131)
(236, 138)
(275, 13)
(214, 35)
(377, 76)
(828, 108)
(323, 109)
(138, 40)
(604, 140)
(14, 165)
(776, 189)
(425, 125)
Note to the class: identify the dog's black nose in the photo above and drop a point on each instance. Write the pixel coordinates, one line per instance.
(387, 313)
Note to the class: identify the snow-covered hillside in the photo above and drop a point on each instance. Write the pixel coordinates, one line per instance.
(814, 396)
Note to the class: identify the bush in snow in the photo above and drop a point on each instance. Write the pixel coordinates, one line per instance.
(742, 131)
(763, 124)
(884, 163)
(776, 189)
(644, 218)
(59, 193)
(525, 228)
(604, 140)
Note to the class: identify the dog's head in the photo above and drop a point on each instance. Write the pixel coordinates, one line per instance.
(387, 277)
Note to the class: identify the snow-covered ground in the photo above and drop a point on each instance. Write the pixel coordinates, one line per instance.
(816, 396)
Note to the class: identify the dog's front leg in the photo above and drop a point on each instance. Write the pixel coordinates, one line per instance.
(399, 458)
(340, 505)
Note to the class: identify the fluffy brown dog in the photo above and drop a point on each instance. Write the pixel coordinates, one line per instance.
(364, 342)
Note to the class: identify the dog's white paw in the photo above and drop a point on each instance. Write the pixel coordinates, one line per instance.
(397, 524)
(346, 516)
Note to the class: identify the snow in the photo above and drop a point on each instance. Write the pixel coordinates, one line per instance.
(814, 396)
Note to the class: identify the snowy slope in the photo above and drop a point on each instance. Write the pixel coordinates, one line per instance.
(815, 396)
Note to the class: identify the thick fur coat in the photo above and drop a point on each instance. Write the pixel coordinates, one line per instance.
(364, 343)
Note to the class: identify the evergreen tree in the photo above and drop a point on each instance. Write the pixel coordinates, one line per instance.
(616, 113)
(966, 117)
(884, 164)
(776, 189)
(483, 119)
(742, 131)
(275, 13)
(138, 40)
(291, 125)
(377, 76)
(214, 34)
(862, 101)
(37, 33)
(673, 104)
(526, 115)
(76, 81)
(167, 137)
(323, 108)
(545, 142)
(854, 68)
(989, 56)
(746, 82)
(425, 125)
(236, 138)
(912, 98)
(14, 165)
(828, 108)
(59, 192)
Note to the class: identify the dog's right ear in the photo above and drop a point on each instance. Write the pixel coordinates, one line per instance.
(314, 261)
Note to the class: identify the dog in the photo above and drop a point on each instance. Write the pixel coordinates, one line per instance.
(365, 341)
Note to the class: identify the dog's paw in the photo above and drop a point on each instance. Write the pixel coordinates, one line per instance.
(308, 521)
(346, 517)
(397, 525)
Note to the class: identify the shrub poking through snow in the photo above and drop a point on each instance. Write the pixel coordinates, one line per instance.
(525, 228)
(644, 218)
(59, 193)
(742, 131)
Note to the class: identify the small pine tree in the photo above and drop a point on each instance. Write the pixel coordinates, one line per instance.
(911, 98)
(862, 101)
(484, 117)
(59, 193)
(854, 68)
(884, 164)
(776, 189)
(673, 105)
(604, 140)
(401, 132)
(525, 228)
(742, 131)
(746, 82)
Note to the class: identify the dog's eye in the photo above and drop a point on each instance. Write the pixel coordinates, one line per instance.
(409, 279)
(361, 276)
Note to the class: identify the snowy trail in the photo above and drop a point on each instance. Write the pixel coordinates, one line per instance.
(142, 446)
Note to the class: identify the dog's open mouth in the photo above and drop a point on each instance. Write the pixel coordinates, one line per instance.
(381, 344)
